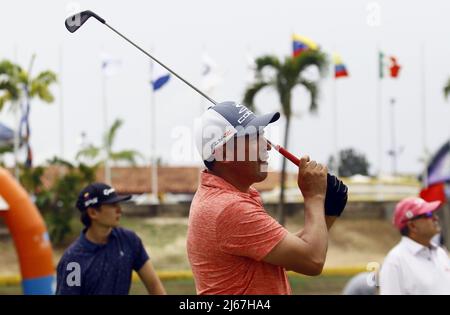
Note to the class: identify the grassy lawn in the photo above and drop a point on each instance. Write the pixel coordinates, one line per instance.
(352, 243)
(300, 285)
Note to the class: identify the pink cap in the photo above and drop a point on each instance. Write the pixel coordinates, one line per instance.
(411, 207)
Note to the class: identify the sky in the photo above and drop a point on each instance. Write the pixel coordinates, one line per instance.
(180, 32)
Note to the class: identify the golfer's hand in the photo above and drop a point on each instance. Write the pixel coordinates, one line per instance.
(312, 179)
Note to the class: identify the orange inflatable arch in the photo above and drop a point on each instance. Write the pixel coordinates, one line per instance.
(30, 236)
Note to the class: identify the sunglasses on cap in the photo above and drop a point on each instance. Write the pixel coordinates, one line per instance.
(426, 215)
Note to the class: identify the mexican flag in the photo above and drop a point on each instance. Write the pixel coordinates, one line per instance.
(388, 65)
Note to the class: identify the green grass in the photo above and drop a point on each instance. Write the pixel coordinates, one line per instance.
(165, 240)
(300, 285)
(160, 236)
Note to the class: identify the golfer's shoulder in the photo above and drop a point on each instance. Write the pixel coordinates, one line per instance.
(124, 233)
(73, 253)
(396, 255)
(442, 254)
(241, 207)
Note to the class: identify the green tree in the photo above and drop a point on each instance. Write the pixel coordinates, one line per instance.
(288, 75)
(351, 163)
(447, 88)
(9, 91)
(56, 201)
(9, 82)
(93, 153)
(18, 85)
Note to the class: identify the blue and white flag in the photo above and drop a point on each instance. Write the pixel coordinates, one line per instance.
(160, 76)
(439, 168)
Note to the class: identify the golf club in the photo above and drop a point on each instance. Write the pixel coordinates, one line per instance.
(75, 21)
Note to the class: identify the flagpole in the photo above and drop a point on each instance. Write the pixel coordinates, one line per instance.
(379, 113)
(393, 139)
(105, 130)
(424, 115)
(153, 159)
(61, 104)
(17, 124)
(335, 122)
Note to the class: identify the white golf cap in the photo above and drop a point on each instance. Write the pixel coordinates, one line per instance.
(224, 121)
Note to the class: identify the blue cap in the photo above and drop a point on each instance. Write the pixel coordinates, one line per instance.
(97, 194)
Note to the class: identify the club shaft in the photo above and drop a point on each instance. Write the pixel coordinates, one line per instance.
(289, 155)
(280, 149)
(162, 65)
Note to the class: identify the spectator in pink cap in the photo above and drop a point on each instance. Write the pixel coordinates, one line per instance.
(416, 265)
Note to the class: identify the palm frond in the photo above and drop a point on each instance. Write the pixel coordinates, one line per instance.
(267, 61)
(306, 59)
(58, 161)
(111, 134)
(9, 82)
(40, 86)
(313, 90)
(91, 152)
(9, 68)
(250, 93)
(11, 91)
(125, 155)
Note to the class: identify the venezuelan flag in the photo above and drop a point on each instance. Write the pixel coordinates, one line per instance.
(340, 70)
(302, 43)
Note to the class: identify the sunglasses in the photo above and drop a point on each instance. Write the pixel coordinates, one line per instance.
(426, 215)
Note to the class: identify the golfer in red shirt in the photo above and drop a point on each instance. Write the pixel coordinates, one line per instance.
(233, 245)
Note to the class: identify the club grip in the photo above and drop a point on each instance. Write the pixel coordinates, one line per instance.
(289, 156)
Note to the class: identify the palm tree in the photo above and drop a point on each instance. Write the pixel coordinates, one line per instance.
(18, 85)
(9, 82)
(92, 152)
(447, 89)
(288, 75)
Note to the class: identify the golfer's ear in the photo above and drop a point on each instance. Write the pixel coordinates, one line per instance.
(220, 154)
(92, 212)
(411, 226)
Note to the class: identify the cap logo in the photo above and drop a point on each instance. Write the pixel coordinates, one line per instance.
(222, 139)
(247, 112)
(409, 214)
(86, 194)
(108, 192)
(245, 116)
(89, 202)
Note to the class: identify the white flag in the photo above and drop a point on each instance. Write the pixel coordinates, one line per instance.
(211, 74)
(110, 65)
